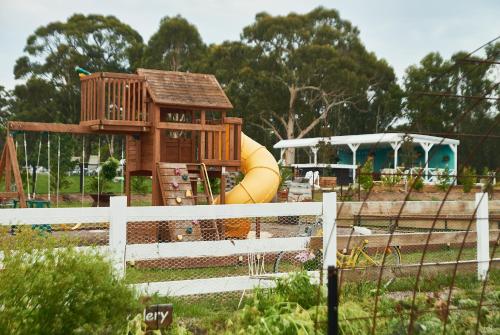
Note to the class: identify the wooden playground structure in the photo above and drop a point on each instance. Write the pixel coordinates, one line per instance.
(176, 127)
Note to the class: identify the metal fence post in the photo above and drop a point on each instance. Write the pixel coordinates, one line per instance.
(482, 228)
(118, 232)
(330, 257)
(333, 301)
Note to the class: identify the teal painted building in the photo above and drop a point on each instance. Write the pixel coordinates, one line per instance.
(406, 152)
(440, 157)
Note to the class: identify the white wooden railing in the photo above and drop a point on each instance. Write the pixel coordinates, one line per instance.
(118, 214)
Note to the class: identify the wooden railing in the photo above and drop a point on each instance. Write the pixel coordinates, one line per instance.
(219, 141)
(222, 147)
(113, 98)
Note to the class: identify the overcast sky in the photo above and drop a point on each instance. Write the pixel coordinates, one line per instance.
(400, 31)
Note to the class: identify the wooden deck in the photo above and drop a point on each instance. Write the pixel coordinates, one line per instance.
(114, 101)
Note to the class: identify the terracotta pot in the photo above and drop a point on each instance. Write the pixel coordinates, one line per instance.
(283, 195)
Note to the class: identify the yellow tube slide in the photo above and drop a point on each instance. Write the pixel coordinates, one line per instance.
(262, 175)
(261, 182)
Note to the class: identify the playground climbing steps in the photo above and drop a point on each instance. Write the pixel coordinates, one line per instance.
(178, 187)
(175, 184)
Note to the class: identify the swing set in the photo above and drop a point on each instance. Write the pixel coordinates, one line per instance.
(14, 195)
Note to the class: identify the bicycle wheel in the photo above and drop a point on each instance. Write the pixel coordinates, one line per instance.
(392, 257)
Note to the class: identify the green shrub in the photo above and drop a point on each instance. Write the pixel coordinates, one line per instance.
(444, 180)
(353, 319)
(292, 308)
(365, 177)
(418, 184)
(140, 184)
(487, 180)
(390, 180)
(468, 178)
(49, 290)
(215, 185)
(100, 183)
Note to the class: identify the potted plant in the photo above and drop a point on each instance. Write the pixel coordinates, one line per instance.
(286, 174)
(99, 184)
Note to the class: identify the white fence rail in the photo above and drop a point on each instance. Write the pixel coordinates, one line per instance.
(117, 216)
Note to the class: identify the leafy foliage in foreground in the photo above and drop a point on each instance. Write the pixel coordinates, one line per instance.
(49, 290)
(289, 308)
(295, 306)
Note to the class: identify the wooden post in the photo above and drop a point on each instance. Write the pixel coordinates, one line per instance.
(127, 187)
(15, 169)
(8, 173)
(329, 230)
(223, 140)
(202, 137)
(3, 159)
(156, 191)
(101, 96)
(222, 195)
(118, 232)
(257, 227)
(482, 228)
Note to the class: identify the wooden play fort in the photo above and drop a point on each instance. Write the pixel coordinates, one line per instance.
(178, 132)
(176, 126)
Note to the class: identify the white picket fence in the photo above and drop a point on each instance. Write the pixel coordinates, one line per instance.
(118, 214)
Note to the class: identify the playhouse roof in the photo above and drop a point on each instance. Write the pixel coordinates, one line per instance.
(183, 89)
(379, 138)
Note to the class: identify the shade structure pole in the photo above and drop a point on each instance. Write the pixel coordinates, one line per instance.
(354, 147)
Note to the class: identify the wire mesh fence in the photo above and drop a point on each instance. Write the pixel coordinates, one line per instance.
(396, 272)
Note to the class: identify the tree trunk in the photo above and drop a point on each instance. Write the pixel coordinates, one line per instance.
(289, 156)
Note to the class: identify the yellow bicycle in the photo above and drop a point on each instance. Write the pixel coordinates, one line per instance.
(357, 257)
(361, 256)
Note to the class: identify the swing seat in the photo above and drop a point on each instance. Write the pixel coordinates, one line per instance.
(33, 203)
(42, 228)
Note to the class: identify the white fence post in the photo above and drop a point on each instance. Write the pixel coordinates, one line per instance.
(329, 229)
(118, 232)
(482, 228)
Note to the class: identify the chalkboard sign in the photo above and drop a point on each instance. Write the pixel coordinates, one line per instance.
(158, 316)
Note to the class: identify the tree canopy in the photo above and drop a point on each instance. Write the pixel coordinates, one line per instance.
(288, 76)
(463, 111)
(174, 46)
(94, 42)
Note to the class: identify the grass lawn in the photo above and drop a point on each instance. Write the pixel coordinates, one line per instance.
(142, 275)
(74, 185)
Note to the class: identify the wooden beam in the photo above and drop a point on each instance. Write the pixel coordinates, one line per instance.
(190, 126)
(232, 120)
(84, 128)
(109, 129)
(406, 239)
(49, 127)
(427, 270)
(8, 194)
(220, 162)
